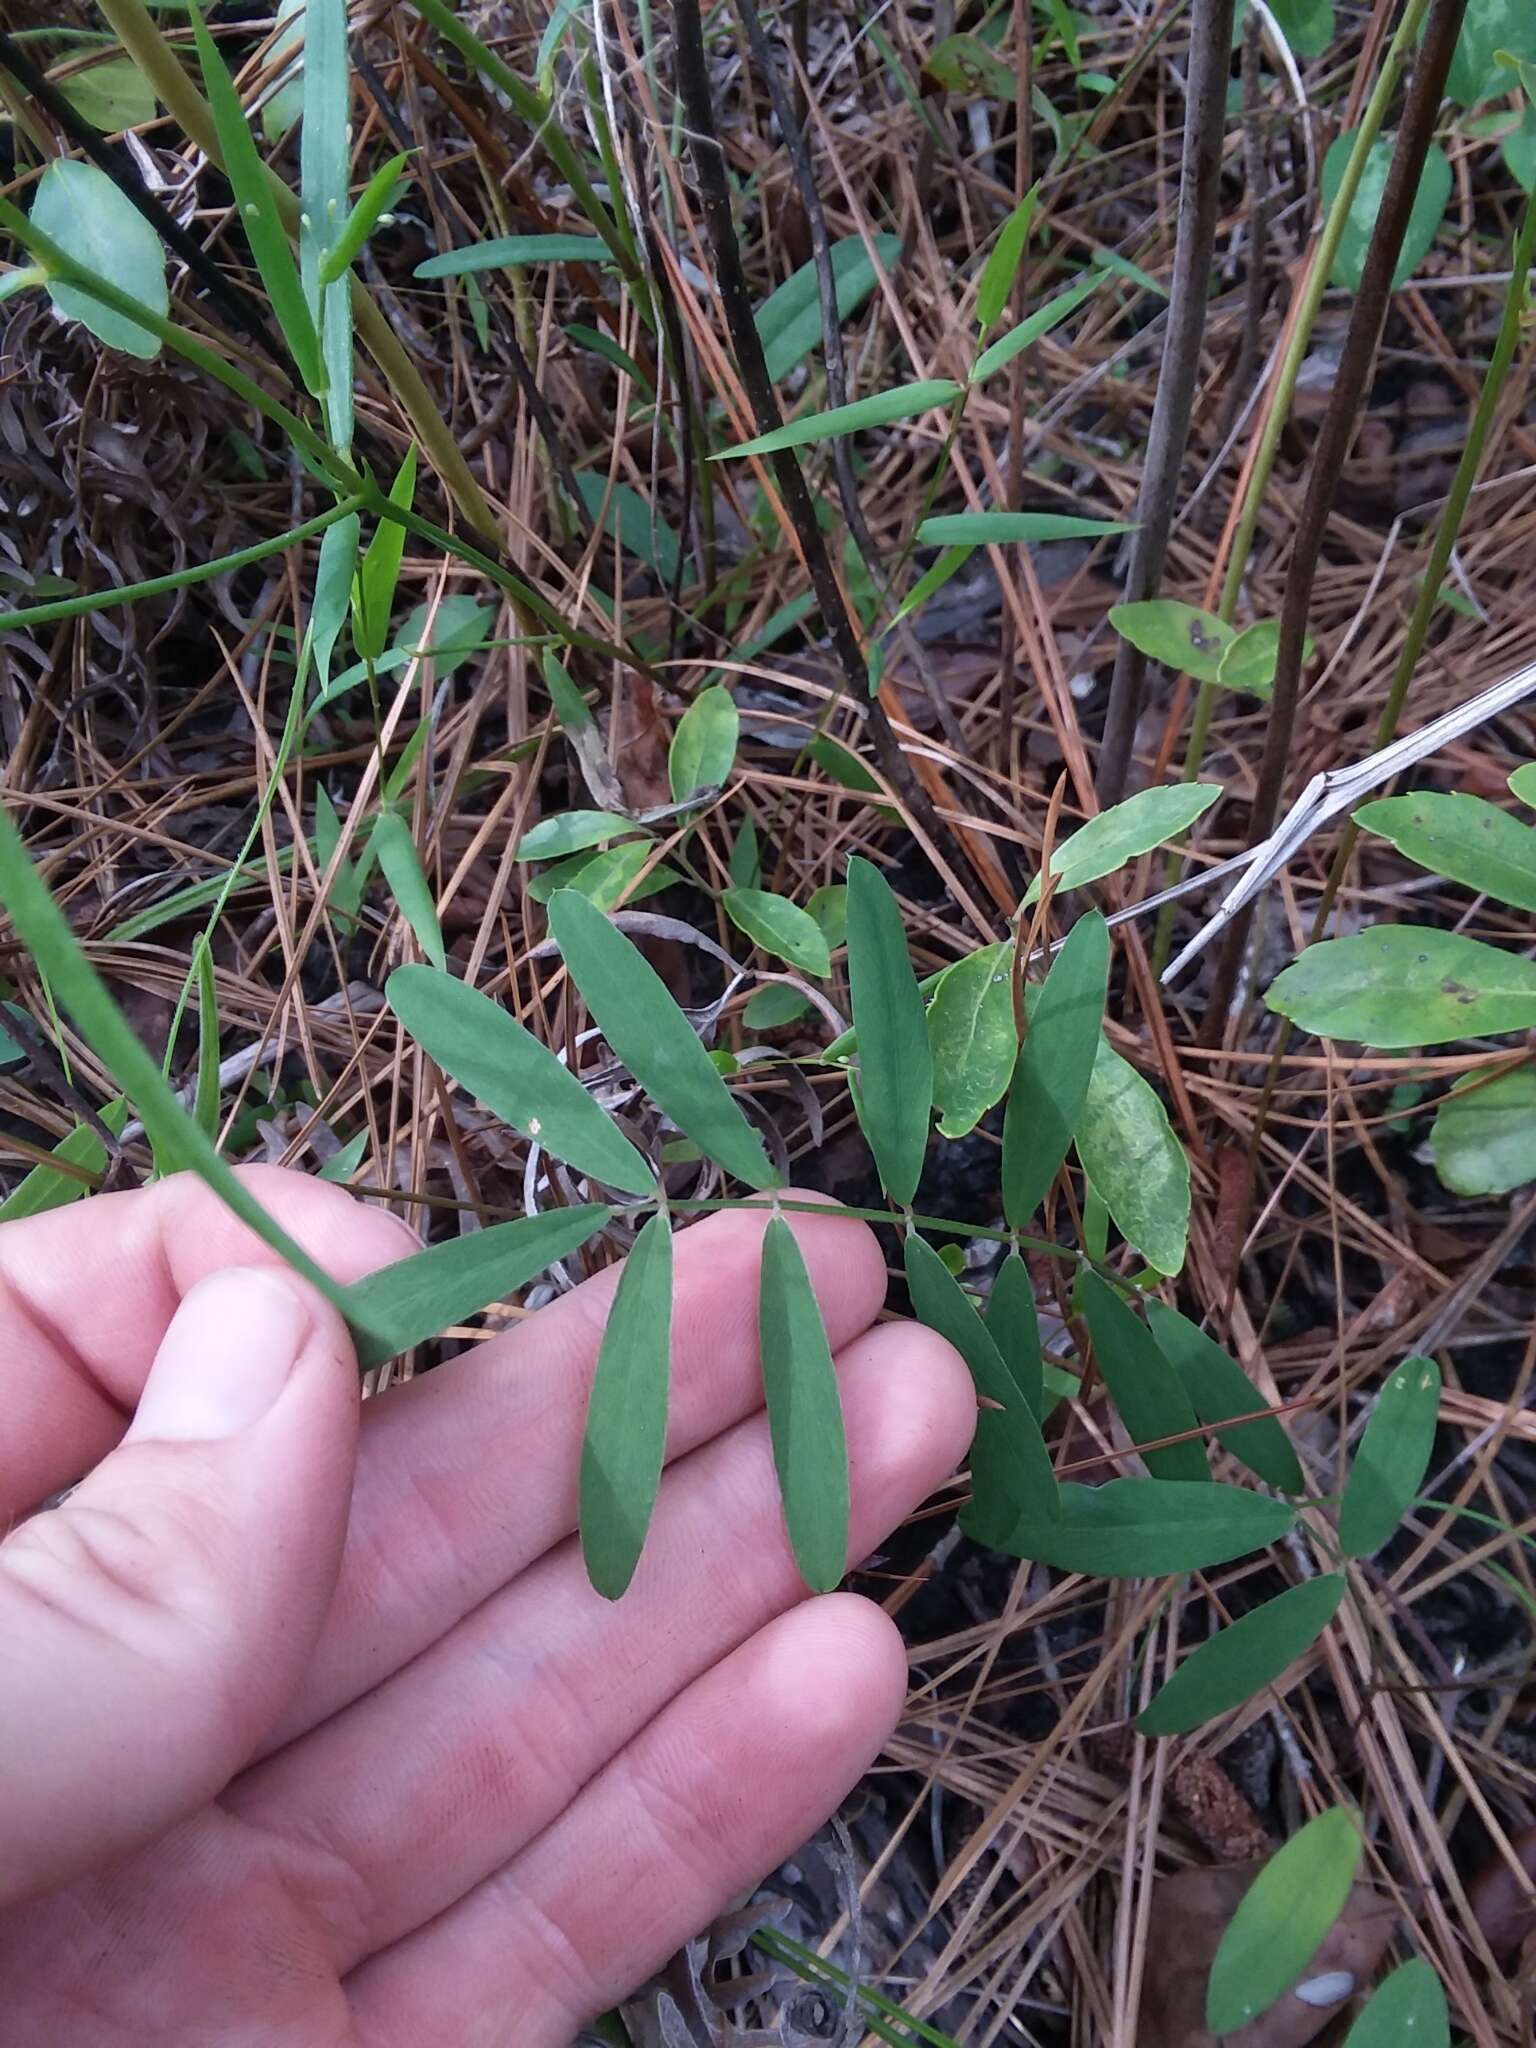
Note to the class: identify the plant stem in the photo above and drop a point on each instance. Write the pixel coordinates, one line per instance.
(1199, 195)
(1420, 112)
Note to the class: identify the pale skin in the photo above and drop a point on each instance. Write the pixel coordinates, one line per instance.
(312, 1734)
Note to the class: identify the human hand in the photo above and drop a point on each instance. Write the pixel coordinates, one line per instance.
(278, 1773)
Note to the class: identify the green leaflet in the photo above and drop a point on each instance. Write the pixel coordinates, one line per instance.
(1406, 985)
(1144, 1386)
(333, 592)
(1125, 831)
(878, 410)
(1249, 663)
(1232, 1665)
(972, 1037)
(382, 190)
(83, 211)
(1010, 1467)
(1055, 1065)
(633, 521)
(1181, 636)
(653, 1038)
(1282, 1919)
(1522, 784)
(746, 866)
(1484, 1135)
(789, 320)
(805, 1415)
(1218, 1388)
(771, 1008)
(508, 250)
(408, 884)
(205, 1106)
(1040, 322)
(1002, 264)
(342, 1164)
(379, 570)
(1013, 1323)
(484, 1048)
(995, 529)
(46, 1188)
(1145, 1528)
(1407, 2007)
(703, 749)
(1461, 837)
(402, 1305)
(111, 95)
(459, 628)
(1131, 1156)
(1430, 202)
(625, 1444)
(1391, 1459)
(571, 832)
(895, 1064)
(324, 167)
(779, 927)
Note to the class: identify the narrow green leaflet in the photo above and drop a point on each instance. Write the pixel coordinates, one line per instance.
(324, 169)
(1146, 1528)
(1055, 1065)
(1002, 264)
(1406, 2008)
(631, 520)
(458, 628)
(1218, 1388)
(570, 706)
(1282, 1919)
(347, 884)
(779, 927)
(789, 321)
(205, 1104)
(1181, 636)
(342, 1164)
(1461, 837)
(405, 1304)
(45, 1187)
(570, 832)
(1144, 1386)
(397, 856)
(942, 1304)
(257, 205)
(333, 592)
(484, 1048)
(995, 529)
(703, 748)
(895, 1063)
(972, 1037)
(878, 410)
(1013, 1323)
(1250, 661)
(508, 251)
(805, 1413)
(1131, 1156)
(606, 879)
(381, 191)
(1240, 1660)
(1484, 1135)
(1040, 322)
(625, 1444)
(83, 211)
(650, 1034)
(1430, 202)
(379, 570)
(746, 866)
(1391, 1459)
(1406, 985)
(950, 562)
(1126, 831)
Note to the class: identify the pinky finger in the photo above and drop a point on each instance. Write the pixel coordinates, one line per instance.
(720, 1788)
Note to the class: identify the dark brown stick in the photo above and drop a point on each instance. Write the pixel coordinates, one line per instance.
(1210, 68)
(1420, 111)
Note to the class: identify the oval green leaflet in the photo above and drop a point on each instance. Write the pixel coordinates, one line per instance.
(1402, 985)
(1013, 1323)
(1406, 2010)
(1234, 1664)
(1218, 1389)
(1391, 1459)
(81, 209)
(484, 1048)
(402, 1305)
(653, 1038)
(1126, 831)
(895, 1063)
(1461, 837)
(704, 745)
(878, 410)
(1429, 204)
(1146, 1528)
(1055, 1065)
(396, 851)
(805, 1414)
(570, 832)
(1484, 1134)
(1282, 1919)
(770, 1008)
(779, 927)
(1143, 1385)
(1131, 1156)
(625, 1444)
(1181, 636)
(972, 1037)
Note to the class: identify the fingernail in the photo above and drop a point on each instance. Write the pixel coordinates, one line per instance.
(225, 1358)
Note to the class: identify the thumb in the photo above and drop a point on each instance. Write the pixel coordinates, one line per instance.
(153, 1625)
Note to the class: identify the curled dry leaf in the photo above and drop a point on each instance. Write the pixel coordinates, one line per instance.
(1191, 1912)
(1504, 1907)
